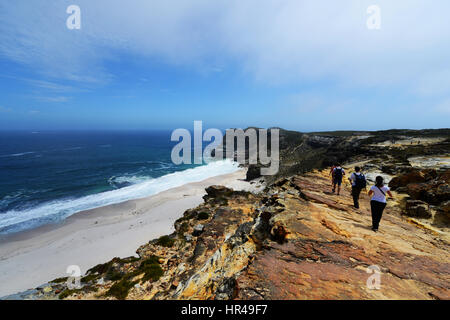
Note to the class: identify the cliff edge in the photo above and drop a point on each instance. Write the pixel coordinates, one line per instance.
(297, 240)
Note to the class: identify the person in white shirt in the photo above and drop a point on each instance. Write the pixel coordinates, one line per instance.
(358, 181)
(378, 201)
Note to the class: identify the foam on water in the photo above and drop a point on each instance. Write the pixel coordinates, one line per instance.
(17, 154)
(57, 210)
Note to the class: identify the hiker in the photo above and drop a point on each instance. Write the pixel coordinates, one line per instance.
(338, 173)
(378, 201)
(332, 173)
(358, 181)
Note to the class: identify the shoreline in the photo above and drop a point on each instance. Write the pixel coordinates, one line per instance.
(33, 257)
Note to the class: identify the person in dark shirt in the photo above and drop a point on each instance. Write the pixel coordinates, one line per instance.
(338, 173)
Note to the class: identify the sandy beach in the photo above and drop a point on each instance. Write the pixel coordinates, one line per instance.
(31, 258)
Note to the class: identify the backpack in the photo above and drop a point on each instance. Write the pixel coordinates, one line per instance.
(360, 181)
(338, 173)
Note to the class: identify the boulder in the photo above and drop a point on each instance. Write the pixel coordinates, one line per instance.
(427, 185)
(417, 209)
(442, 192)
(214, 191)
(198, 229)
(407, 178)
(253, 172)
(417, 191)
(443, 214)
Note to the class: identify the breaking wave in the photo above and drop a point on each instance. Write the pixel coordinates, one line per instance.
(129, 188)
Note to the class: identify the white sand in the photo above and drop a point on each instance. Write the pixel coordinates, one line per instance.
(88, 238)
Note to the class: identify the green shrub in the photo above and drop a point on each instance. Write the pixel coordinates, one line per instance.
(130, 259)
(203, 215)
(59, 280)
(165, 241)
(119, 290)
(151, 269)
(68, 292)
(89, 278)
(101, 268)
(152, 272)
(106, 267)
(113, 275)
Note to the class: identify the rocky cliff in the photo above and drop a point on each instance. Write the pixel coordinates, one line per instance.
(297, 240)
(302, 152)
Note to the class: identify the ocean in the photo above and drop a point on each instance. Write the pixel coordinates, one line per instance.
(46, 177)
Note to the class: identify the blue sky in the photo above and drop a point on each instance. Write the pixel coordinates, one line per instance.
(301, 65)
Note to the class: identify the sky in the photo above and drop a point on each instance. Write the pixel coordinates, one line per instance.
(296, 64)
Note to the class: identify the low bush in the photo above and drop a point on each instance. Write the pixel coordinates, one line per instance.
(165, 241)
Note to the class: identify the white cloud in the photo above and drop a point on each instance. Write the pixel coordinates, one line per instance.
(53, 99)
(47, 85)
(272, 41)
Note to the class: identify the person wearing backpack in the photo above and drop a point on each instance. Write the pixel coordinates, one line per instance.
(378, 201)
(338, 173)
(358, 181)
(332, 173)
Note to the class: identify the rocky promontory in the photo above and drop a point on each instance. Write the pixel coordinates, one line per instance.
(296, 239)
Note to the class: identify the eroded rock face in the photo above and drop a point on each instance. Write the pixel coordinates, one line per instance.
(415, 176)
(425, 187)
(330, 247)
(295, 241)
(417, 208)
